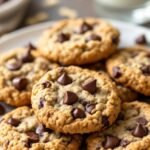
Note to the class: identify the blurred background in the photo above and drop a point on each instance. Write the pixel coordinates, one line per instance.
(16, 14)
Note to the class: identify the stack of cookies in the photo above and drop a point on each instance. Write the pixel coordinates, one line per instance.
(76, 90)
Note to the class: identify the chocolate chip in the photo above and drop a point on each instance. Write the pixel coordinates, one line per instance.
(111, 142)
(90, 86)
(145, 69)
(142, 121)
(78, 113)
(2, 110)
(30, 46)
(93, 37)
(70, 98)
(140, 131)
(124, 143)
(84, 28)
(16, 65)
(40, 129)
(141, 39)
(27, 57)
(41, 103)
(120, 116)
(115, 40)
(20, 83)
(32, 137)
(63, 37)
(105, 121)
(46, 84)
(14, 122)
(64, 79)
(116, 72)
(89, 108)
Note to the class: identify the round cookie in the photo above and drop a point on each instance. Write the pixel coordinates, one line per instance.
(131, 67)
(20, 130)
(79, 41)
(130, 132)
(74, 100)
(126, 94)
(19, 70)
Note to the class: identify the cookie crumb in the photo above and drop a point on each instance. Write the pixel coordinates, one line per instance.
(68, 12)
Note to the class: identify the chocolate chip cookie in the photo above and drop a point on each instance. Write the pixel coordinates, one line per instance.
(131, 67)
(19, 70)
(126, 94)
(79, 41)
(75, 100)
(130, 132)
(20, 130)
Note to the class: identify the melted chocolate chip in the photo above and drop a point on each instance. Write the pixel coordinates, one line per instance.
(105, 121)
(124, 143)
(2, 110)
(27, 57)
(140, 131)
(93, 37)
(64, 79)
(90, 86)
(20, 83)
(116, 72)
(84, 28)
(40, 129)
(16, 65)
(70, 98)
(32, 137)
(46, 84)
(31, 47)
(41, 103)
(141, 39)
(63, 37)
(78, 113)
(89, 108)
(145, 69)
(111, 142)
(14, 122)
(142, 121)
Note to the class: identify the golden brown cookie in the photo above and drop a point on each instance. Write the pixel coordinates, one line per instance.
(79, 41)
(74, 100)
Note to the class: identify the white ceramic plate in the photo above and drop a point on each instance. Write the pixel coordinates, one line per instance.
(30, 34)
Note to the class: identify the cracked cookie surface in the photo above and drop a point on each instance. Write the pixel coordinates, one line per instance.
(75, 100)
(130, 132)
(20, 130)
(19, 70)
(79, 41)
(131, 67)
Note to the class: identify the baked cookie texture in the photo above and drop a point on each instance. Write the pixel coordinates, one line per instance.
(79, 41)
(131, 67)
(20, 69)
(20, 130)
(126, 94)
(75, 100)
(130, 132)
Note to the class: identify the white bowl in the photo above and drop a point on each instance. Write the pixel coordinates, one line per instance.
(11, 14)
